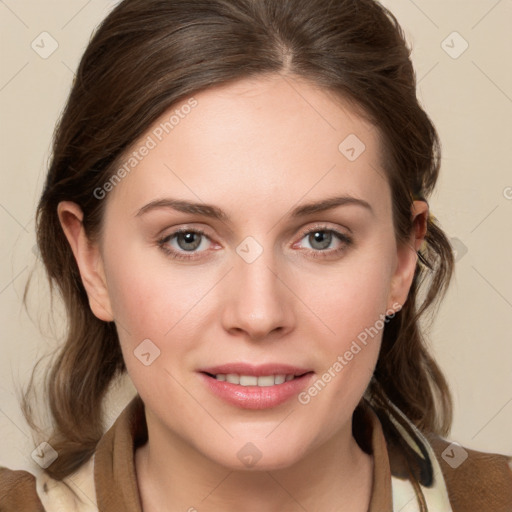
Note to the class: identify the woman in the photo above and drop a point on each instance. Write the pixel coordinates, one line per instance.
(236, 214)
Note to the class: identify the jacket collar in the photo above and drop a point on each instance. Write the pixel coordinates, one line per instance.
(406, 474)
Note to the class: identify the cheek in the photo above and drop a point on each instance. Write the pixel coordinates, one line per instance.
(155, 324)
(149, 293)
(350, 298)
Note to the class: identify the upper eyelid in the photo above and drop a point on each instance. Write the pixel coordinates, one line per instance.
(181, 229)
(324, 227)
(232, 234)
(318, 225)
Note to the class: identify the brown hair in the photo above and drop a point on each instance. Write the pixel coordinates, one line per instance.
(149, 54)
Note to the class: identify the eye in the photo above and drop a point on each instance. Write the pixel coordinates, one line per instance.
(321, 240)
(188, 243)
(183, 241)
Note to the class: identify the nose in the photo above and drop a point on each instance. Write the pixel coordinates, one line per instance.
(258, 304)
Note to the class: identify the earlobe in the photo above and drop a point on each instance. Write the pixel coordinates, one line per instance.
(407, 254)
(88, 259)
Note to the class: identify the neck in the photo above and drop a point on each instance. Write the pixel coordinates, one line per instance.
(173, 476)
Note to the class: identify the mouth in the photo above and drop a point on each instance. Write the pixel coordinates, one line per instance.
(256, 387)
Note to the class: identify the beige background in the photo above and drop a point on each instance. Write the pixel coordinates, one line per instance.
(469, 97)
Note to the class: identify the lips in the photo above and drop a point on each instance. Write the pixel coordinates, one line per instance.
(233, 382)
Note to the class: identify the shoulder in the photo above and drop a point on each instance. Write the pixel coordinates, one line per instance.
(18, 491)
(475, 480)
(22, 491)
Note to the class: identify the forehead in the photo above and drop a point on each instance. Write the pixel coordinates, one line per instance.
(255, 143)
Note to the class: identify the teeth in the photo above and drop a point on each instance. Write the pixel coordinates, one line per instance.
(279, 379)
(248, 380)
(266, 380)
(251, 380)
(233, 378)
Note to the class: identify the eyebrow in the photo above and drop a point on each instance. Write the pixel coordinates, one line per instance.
(215, 212)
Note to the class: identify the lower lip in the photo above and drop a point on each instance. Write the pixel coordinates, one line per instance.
(256, 397)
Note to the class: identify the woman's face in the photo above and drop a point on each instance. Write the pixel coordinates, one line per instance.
(256, 278)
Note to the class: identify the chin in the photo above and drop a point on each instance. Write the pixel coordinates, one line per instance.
(257, 456)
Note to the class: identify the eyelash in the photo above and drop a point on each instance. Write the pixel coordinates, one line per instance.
(346, 241)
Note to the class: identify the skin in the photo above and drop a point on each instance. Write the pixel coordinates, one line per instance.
(256, 148)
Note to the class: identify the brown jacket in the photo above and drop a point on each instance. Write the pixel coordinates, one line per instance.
(412, 472)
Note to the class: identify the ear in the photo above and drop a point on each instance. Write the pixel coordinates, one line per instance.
(407, 255)
(88, 259)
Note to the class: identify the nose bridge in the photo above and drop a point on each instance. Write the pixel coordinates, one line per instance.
(258, 303)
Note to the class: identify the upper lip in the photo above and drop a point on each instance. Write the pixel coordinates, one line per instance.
(255, 370)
